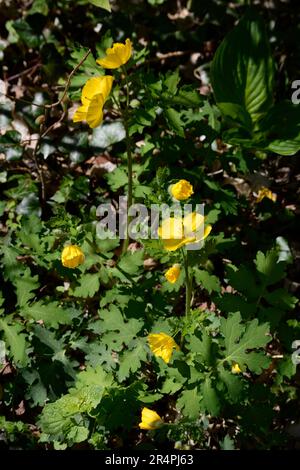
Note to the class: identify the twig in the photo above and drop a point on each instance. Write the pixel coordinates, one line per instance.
(24, 72)
(57, 103)
(53, 125)
(39, 171)
(68, 81)
(13, 98)
(161, 57)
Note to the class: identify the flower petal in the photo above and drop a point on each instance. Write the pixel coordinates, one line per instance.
(80, 114)
(162, 345)
(192, 223)
(94, 86)
(171, 228)
(94, 114)
(117, 55)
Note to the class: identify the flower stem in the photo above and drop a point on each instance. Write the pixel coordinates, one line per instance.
(129, 160)
(188, 287)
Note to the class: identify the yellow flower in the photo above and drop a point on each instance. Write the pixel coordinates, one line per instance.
(176, 232)
(94, 94)
(265, 192)
(117, 55)
(172, 274)
(162, 345)
(72, 256)
(236, 369)
(150, 419)
(181, 190)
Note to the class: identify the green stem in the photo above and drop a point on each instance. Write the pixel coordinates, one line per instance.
(188, 286)
(129, 160)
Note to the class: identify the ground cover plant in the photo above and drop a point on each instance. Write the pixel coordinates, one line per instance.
(181, 332)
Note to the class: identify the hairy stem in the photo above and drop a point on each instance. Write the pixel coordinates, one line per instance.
(129, 160)
(188, 286)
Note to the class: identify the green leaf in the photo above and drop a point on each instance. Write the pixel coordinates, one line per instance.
(227, 443)
(60, 420)
(10, 145)
(39, 6)
(189, 403)
(239, 339)
(242, 72)
(282, 128)
(233, 384)
(94, 376)
(88, 286)
(187, 96)
(132, 263)
(16, 341)
(25, 284)
(101, 4)
(208, 281)
(117, 178)
(174, 120)
(112, 322)
(171, 82)
(52, 314)
(270, 268)
(108, 134)
(130, 361)
(210, 399)
(201, 346)
(281, 299)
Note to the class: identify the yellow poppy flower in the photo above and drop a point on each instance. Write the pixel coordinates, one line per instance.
(181, 190)
(173, 273)
(176, 232)
(117, 55)
(150, 419)
(162, 345)
(72, 256)
(94, 94)
(265, 192)
(236, 369)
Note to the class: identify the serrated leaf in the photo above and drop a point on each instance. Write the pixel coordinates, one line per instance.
(16, 342)
(175, 379)
(25, 284)
(239, 339)
(52, 314)
(117, 178)
(201, 346)
(88, 286)
(189, 403)
(233, 384)
(115, 331)
(174, 120)
(227, 443)
(171, 82)
(208, 281)
(94, 376)
(281, 299)
(241, 278)
(210, 399)
(267, 264)
(131, 360)
(132, 263)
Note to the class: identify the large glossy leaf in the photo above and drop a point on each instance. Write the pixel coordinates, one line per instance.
(282, 128)
(242, 72)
